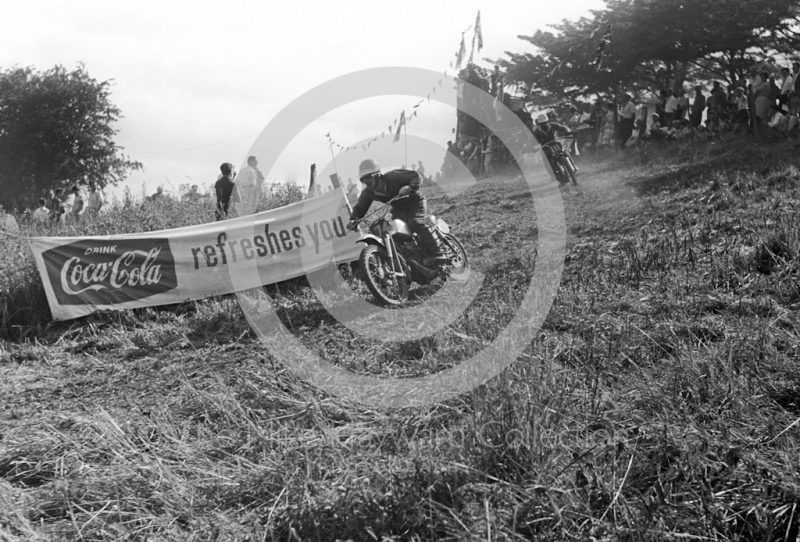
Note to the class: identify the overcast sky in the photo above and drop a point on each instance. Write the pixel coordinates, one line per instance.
(197, 82)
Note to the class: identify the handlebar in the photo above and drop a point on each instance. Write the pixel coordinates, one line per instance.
(383, 207)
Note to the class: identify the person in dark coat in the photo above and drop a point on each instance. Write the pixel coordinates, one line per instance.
(224, 189)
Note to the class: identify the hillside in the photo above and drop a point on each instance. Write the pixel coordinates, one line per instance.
(660, 400)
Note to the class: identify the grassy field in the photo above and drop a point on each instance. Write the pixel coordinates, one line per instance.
(660, 401)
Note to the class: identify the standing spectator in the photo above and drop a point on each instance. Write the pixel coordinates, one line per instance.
(585, 127)
(57, 207)
(95, 199)
(158, 195)
(683, 105)
(453, 153)
(761, 92)
(421, 170)
(661, 105)
(718, 101)
(628, 119)
(698, 106)
(670, 108)
(488, 155)
(249, 182)
(786, 87)
(774, 89)
(77, 203)
(796, 77)
(50, 202)
(606, 138)
(473, 154)
(67, 201)
(42, 213)
(496, 80)
(352, 189)
(224, 189)
(597, 121)
(742, 110)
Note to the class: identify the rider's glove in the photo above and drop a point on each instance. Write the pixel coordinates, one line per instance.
(350, 225)
(405, 191)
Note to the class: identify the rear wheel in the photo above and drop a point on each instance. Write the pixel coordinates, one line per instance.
(376, 272)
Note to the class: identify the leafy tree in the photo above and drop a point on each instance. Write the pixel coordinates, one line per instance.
(656, 44)
(55, 131)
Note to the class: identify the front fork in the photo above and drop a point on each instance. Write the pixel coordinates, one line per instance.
(397, 269)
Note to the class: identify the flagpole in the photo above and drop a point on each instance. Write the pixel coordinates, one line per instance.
(335, 168)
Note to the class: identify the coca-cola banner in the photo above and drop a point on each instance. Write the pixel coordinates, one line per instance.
(86, 274)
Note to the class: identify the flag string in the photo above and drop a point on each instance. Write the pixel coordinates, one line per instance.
(402, 119)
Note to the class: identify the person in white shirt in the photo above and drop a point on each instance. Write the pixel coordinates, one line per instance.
(67, 201)
(628, 119)
(670, 107)
(249, 182)
(95, 199)
(77, 203)
(42, 214)
(786, 86)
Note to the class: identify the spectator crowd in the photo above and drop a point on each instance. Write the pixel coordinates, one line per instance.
(764, 103)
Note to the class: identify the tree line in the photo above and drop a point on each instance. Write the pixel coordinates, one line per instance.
(56, 131)
(654, 45)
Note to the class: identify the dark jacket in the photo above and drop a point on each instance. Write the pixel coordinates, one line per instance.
(387, 187)
(223, 189)
(546, 136)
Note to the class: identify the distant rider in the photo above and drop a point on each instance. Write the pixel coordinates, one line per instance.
(383, 187)
(545, 132)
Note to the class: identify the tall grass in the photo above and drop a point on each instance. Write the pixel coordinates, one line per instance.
(659, 401)
(23, 305)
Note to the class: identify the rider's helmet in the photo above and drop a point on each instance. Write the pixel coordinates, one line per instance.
(541, 119)
(367, 168)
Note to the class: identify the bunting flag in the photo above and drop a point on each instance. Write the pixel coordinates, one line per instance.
(400, 126)
(401, 122)
(478, 31)
(598, 60)
(460, 55)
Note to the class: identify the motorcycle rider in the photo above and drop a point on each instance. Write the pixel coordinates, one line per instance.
(545, 132)
(383, 187)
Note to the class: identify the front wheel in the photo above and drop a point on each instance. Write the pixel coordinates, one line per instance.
(376, 272)
(455, 252)
(566, 168)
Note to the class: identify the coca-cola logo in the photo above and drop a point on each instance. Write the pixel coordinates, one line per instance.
(101, 272)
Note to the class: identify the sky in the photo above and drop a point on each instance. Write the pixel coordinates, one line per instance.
(197, 82)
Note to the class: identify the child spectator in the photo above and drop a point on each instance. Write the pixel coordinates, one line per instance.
(42, 213)
(224, 190)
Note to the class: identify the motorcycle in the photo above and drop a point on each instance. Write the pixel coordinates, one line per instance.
(392, 259)
(563, 166)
